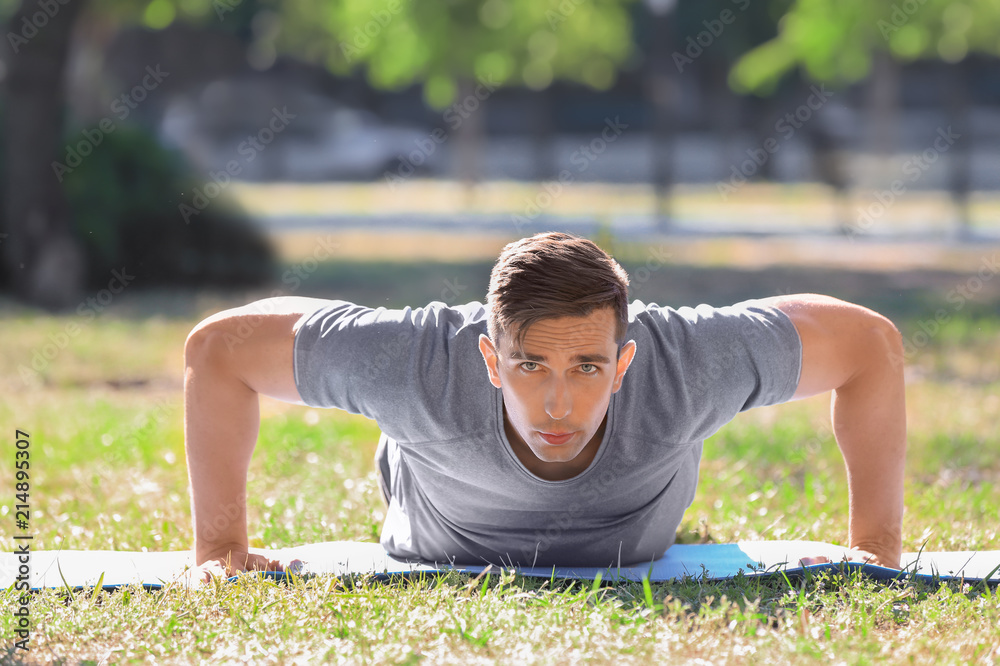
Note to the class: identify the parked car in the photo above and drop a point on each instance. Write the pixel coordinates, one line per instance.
(258, 133)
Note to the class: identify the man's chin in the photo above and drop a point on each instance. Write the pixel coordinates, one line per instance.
(555, 454)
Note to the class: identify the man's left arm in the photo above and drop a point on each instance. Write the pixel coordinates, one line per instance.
(858, 354)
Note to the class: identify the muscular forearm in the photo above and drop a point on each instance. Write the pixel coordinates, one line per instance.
(869, 419)
(221, 422)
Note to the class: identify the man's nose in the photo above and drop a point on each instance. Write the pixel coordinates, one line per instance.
(558, 402)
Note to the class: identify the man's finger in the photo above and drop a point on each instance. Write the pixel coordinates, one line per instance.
(858, 555)
(263, 563)
(818, 559)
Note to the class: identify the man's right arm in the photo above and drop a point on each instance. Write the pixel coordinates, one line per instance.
(230, 359)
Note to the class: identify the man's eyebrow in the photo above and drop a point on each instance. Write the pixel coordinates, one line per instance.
(579, 358)
(524, 356)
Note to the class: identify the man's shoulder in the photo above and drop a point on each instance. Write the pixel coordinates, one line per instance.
(687, 333)
(429, 315)
(645, 314)
(439, 318)
(471, 311)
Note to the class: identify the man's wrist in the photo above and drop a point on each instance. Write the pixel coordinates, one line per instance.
(885, 553)
(228, 550)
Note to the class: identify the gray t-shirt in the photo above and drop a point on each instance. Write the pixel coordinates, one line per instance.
(460, 494)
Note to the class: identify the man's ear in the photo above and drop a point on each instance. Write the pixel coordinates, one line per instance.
(625, 357)
(489, 353)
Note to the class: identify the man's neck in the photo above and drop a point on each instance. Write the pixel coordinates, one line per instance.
(553, 471)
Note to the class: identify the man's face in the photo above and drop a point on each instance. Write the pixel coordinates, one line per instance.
(557, 388)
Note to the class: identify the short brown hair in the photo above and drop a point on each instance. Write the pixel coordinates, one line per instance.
(554, 275)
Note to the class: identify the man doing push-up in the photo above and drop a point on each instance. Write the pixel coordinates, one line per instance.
(556, 424)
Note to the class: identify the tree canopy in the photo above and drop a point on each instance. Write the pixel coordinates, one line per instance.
(431, 42)
(438, 44)
(835, 40)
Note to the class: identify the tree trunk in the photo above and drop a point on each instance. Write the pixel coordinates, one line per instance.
(546, 167)
(469, 137)
(43, 259)
(960, 157)
(827, 164)
(883, 115)
(661, 90)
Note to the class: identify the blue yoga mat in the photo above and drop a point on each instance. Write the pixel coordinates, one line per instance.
(110, 569)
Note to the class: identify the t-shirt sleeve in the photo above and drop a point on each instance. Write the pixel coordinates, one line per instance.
(382, 363)
(709, 363)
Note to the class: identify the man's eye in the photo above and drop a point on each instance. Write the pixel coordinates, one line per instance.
(529, 366)
(588, 368)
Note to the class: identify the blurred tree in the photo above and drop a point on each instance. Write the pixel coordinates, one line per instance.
(700, 41)
(730, 28)
(838, 40)
(127, 202)
(42, 258)
(662, 91)
(462, 50)
(844, 41)
(44, 261)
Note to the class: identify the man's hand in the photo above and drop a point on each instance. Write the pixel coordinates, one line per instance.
(858, 354)
(854, 555)
(238, 560)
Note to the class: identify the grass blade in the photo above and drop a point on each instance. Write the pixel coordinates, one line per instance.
(97, 587)
(69, 591)
(647, 591)
(597, 583)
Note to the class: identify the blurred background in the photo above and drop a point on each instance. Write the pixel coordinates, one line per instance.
(163, 160)
(159, 153)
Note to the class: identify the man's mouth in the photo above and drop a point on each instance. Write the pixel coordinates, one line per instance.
(557, 438)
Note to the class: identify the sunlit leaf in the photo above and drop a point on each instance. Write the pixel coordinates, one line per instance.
(834, 40)
(159, 14)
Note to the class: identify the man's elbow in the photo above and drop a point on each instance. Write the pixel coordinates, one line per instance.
(205, 344)
(253, 344)
(886, 341)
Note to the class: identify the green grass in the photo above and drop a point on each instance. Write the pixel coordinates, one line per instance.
(108, 471)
